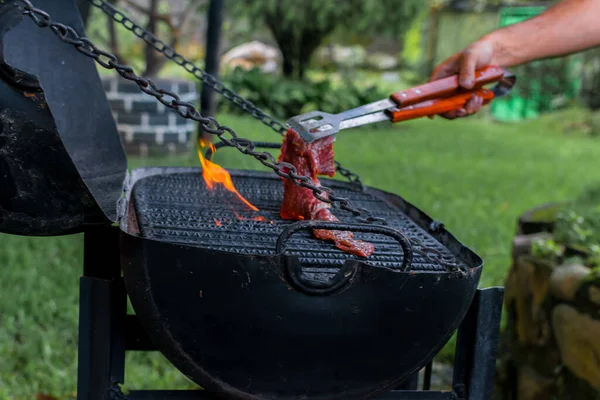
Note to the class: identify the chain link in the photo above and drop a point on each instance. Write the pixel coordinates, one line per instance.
(171, 100)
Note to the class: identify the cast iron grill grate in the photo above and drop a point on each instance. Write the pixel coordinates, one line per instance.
(179, 208)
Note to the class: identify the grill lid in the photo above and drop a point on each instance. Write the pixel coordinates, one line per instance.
(76, 99)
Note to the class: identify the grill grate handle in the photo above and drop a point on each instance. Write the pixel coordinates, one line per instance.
(296, 276)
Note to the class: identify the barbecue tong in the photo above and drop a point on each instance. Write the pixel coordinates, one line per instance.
(432, 98)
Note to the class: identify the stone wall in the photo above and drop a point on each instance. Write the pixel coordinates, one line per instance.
(550, 346)
(146, 126)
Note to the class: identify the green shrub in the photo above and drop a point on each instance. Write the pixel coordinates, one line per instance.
(579, 229)
(576, 230)
(546, 248)
(285, 98)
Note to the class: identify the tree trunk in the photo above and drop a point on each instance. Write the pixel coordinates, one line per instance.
(153, 62)
(287, 64)
(112, 35)
(296, 50)
(284, 36)
(311, 39)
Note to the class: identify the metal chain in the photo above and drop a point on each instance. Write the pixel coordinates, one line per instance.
(171, 54)
(171, 100)
(218, 86)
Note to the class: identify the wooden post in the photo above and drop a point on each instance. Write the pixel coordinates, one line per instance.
(434, 18)
(213, 41)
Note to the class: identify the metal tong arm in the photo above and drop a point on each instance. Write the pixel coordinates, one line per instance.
(446, 87)
(438, 89)
(438, 106)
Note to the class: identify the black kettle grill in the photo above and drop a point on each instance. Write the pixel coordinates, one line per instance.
(248, 307)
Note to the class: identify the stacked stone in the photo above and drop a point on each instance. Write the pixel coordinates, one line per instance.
(551, 341)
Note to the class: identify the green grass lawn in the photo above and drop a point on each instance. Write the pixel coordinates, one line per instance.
(475, 176)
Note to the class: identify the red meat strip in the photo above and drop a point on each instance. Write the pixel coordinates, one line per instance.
(299, 203)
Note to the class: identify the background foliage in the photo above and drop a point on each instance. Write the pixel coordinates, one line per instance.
(300, 26)
(286, 98)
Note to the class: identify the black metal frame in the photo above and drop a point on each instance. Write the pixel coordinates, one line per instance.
(106, 332)
(208, 102)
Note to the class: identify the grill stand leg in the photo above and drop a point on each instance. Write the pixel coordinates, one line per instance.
(102, 310)
(477, 346)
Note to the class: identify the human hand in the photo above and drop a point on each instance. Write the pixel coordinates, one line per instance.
(478, 55)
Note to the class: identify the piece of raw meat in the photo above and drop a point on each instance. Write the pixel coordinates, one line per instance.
(299, 203)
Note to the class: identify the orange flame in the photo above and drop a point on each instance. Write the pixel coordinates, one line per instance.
(213, 173)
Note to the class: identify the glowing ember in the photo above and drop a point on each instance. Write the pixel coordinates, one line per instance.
(257, 218)
(213, 173)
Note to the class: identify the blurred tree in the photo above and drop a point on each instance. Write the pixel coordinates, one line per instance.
(590, 89)
(300, 26)
(174, 22)
(156, 13)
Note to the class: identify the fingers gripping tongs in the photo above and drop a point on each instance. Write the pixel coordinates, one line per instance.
(436, 97)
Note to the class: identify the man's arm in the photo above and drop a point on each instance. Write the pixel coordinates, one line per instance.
(567, 27)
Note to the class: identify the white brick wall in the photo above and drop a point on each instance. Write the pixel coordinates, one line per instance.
(168, 127)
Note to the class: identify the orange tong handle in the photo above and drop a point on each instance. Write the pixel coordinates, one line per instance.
(433, 107)
(446, 86)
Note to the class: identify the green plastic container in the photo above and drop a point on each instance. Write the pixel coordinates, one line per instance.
(516, 106)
